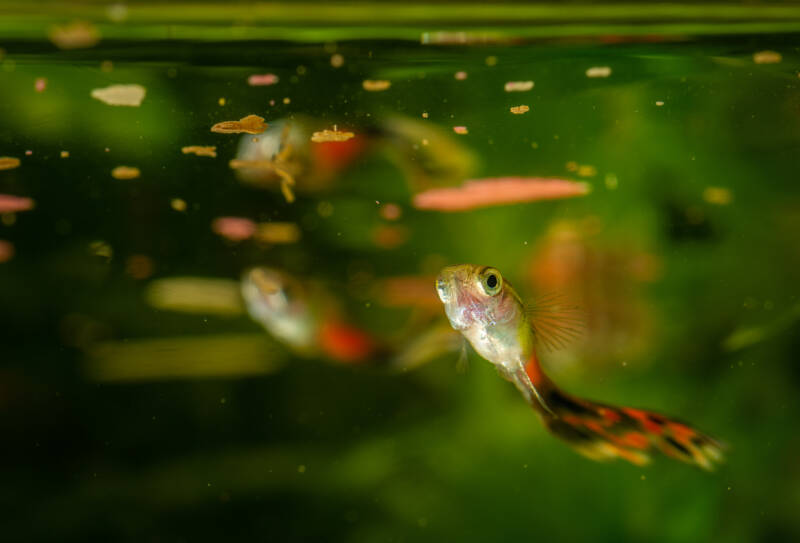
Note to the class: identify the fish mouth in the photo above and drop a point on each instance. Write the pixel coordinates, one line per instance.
(443, 288)
(450, 288)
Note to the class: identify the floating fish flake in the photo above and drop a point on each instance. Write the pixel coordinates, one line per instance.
(125, 172)
(262, 80)
(767, 57)
(121, 95)
(518, 86)
(598, 71)
(8, 163)
(14, 204)
(252, 124)
(234, 228)
(376, 85)
(331, 135)
(200, 150)
(488, 192)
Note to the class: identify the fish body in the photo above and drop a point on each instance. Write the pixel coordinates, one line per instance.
(281, 304)
(491, 315)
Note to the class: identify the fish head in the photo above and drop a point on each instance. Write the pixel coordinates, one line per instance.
(476, 296)
(281, 304)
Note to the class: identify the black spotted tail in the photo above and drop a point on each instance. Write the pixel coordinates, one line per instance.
(604, 432)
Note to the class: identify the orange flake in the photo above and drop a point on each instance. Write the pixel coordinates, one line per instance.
(262, 80)
(6, 251)
(519, 86)
(125, 172)
(331, 135)
(519, 110)
(498, 191)
(376, 85)
(200, 150)
(8, 163)
(234, 228)
(13, 204)
(460, 130)
(64, 154)
(252, 124)
(767, 57)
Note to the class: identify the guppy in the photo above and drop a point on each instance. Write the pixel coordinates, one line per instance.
(491, 315)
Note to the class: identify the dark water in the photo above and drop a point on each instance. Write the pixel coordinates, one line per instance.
(684, 256)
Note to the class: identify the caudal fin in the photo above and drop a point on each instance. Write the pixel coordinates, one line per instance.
(603, 432)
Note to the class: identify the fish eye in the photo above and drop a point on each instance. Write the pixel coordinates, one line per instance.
(491, 282)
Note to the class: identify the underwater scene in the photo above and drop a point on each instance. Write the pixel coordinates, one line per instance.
(384, 273)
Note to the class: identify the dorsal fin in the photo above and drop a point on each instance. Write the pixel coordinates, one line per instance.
(555, 321)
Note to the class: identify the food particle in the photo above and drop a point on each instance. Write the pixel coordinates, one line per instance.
(178, 204)
(262, 80)
(252, 124)
(331, 135)
(200, 150)
(234, 228)
(598, 71)
(120, 95)
(125, 172)
(518, 86)
(767, 57)
(376, 85)
(13, 204)
(8, 163)
(498, 191)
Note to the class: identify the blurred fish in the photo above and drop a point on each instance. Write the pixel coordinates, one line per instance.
(492, 317)
(605, 279)
(306, 318)
(286, 155)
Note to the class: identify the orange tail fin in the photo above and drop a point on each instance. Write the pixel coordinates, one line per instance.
(603, 432)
